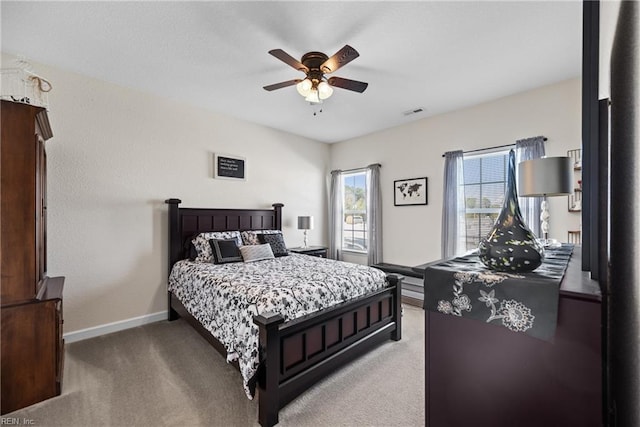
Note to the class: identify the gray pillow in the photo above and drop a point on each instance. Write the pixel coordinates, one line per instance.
(251, 253)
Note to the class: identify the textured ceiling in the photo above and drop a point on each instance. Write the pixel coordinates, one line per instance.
(439, 56)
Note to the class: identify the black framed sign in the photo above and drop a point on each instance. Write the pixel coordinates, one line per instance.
(409, 192)
(230, 167)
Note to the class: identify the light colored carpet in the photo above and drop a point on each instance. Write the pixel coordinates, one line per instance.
(165, 374)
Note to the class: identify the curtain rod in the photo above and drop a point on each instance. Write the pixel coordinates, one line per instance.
(356, 169)
(492, 148)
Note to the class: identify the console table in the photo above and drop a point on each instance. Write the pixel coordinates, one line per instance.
(486, 375)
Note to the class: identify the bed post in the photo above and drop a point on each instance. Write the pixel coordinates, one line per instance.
(396, 281)
(277, 207)
(175, 245)
(269, 380)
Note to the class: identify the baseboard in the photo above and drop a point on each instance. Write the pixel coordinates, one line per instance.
(108, 328)
(412, 301)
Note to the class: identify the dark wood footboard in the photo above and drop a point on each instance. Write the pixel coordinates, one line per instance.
(297, 354)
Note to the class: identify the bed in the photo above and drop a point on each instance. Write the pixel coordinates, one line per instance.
(296, 353)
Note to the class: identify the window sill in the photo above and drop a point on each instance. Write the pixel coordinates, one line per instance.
(351, 251)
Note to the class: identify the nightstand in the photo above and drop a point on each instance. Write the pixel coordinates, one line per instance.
(319, 251)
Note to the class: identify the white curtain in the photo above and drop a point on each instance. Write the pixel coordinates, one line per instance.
(527, 149)
(453, 206)
(335, 215)
(374, 215)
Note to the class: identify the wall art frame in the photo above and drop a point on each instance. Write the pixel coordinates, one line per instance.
(410, 192)
(227, 166)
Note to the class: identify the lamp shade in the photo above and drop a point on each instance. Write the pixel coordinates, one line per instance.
(324, 90)
(305, 223)
(313, 97)
(304, 87)
(546, 176)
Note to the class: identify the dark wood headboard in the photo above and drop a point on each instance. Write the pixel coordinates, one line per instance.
(184, 223)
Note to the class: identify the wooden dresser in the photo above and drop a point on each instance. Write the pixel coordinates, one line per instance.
(32, 349)
(485, 375)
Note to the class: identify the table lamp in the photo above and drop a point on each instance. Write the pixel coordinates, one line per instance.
(546, 176)
(305, 223)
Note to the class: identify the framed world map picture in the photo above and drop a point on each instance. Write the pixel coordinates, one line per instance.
(409, 192)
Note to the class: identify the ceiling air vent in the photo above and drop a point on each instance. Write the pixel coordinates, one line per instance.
(413, 111)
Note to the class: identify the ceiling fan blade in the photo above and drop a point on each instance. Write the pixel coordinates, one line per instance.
(341, 58)
(353, 85)
(282, 84)
(288, 59)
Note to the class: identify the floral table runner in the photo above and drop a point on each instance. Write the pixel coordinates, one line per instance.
(521, 302)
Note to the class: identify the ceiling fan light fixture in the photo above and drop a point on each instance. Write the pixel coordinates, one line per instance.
(304, 87)
(313, 97)
(315, 87)
(324, 90)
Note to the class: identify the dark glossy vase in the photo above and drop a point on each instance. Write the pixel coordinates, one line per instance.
(510, 245)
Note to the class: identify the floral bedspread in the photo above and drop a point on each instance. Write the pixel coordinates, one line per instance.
(225, 297)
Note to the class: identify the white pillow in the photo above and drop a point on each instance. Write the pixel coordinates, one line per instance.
(251, 253)
(203, 248)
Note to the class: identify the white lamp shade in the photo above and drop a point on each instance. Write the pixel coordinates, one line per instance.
(313, 97)
(305, 223)
(546, 176)
(304, 87)
(324, 90)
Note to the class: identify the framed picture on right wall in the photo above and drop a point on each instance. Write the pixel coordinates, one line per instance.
(410, 192)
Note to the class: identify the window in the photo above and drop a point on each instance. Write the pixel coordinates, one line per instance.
(485, 181)
(354, 211)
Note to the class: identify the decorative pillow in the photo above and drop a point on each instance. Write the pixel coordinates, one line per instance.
(250, 237)
(225, 250)
(251, 253)
(201, 243)
(190, 250)
(277, 243)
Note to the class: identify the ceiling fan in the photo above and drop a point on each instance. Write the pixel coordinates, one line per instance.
(316, 87)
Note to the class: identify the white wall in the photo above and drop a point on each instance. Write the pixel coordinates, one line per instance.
(117, 154)
(411, 234)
